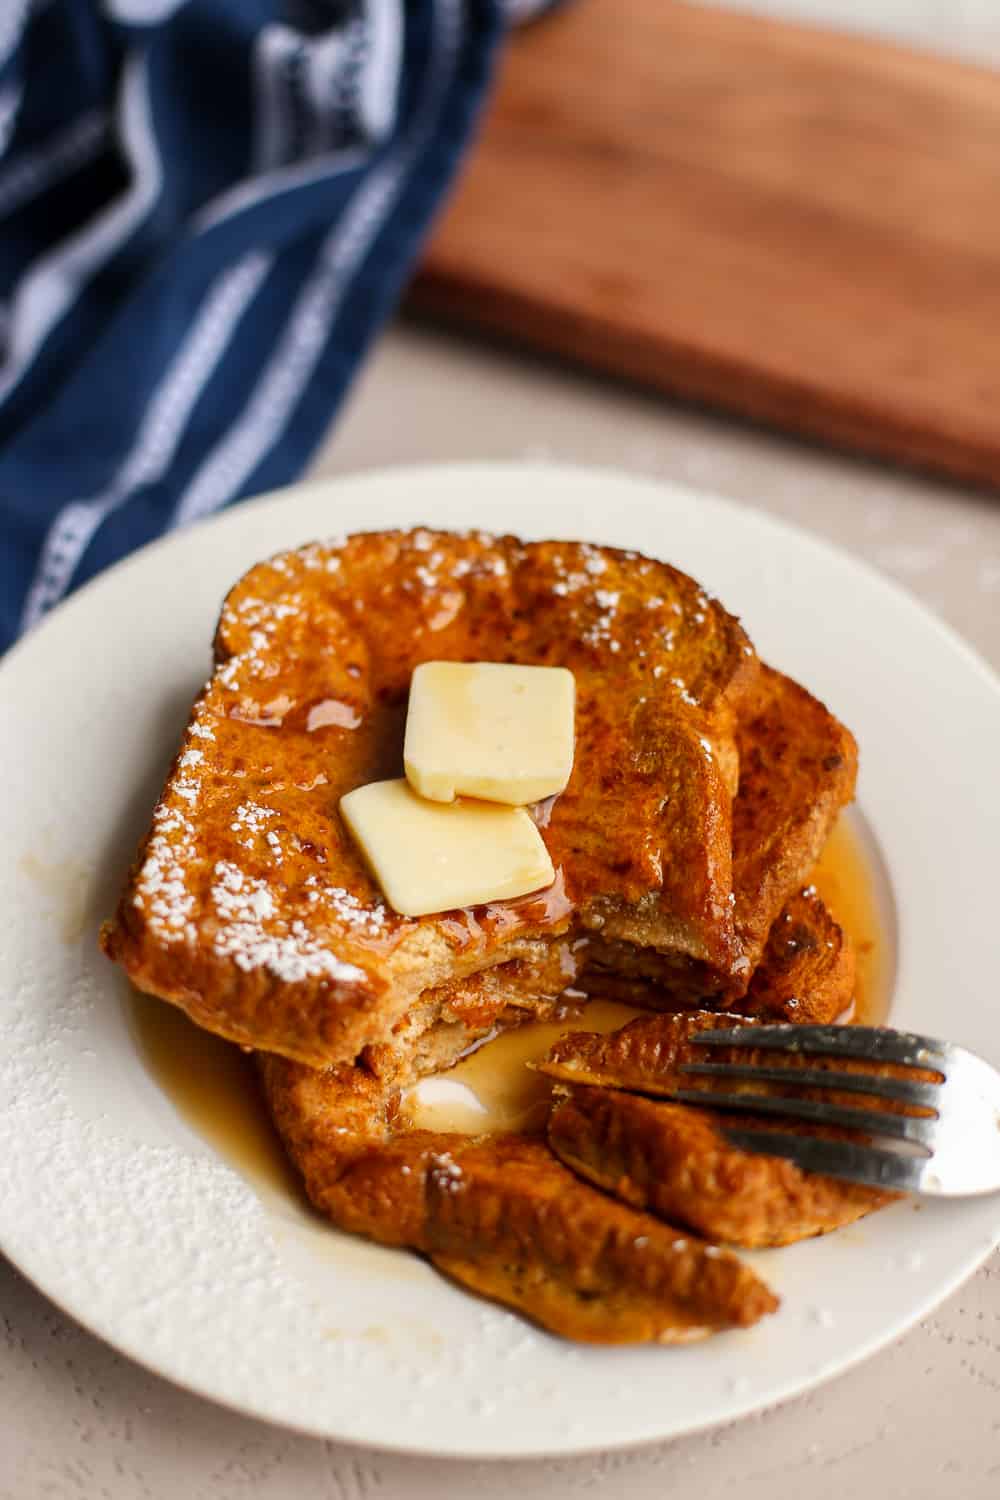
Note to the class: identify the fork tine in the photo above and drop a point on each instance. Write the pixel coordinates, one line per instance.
(900, 1089)
(900, 1127)
(872, 1043)
(882, 1169)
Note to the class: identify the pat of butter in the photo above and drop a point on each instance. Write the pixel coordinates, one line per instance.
(491, 730)
(428, 857)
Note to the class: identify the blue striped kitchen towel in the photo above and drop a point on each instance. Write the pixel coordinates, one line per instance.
(207, 208)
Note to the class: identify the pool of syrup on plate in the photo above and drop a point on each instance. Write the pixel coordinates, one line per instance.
(213, 1084)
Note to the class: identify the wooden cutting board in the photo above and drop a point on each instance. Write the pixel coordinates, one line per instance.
(795, 225)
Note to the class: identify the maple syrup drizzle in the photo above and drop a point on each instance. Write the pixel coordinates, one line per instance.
(213, 1084)
(493, 1088)
(332, 711)
(846, 882)
(496, 920)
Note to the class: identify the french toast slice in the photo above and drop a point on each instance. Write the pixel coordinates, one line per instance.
(798, 768)
(503, 1217)
(248, 904)
(675, 1160)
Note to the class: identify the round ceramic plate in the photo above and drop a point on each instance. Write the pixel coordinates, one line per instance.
(116, 1208)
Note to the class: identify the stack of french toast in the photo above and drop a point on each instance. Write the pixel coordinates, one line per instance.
(704, 785)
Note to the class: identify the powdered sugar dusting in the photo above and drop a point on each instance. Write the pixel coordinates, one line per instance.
(435, 569)
(254, 938)
(317, 555)
(260, 613)
(602, 629)
(446, 1174)
(161, 892)
(261, 618)
(367, 919)
(249, 820)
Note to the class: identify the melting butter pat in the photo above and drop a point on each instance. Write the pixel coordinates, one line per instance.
(491, 730)
(428, 857)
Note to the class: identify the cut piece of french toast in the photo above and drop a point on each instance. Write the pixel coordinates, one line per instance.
(612, 1123)
(677, 1162)
(647, 1056)
(249, 905)
(503, 1217)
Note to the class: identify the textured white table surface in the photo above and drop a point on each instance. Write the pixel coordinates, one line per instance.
(919, 1419)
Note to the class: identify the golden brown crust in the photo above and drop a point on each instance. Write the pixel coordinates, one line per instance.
(676, 1162)
(643, 1055)
(503, 1217)
(807, 972)
(647, 1055)
(248, 904)
(798, 768)
(511, 1223)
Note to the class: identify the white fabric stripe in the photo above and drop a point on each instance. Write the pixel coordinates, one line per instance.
(274, 44)
(163, 425)
(32, 172)
(519, 11)
(142, 12)
(326, 60)
(10, 103)
(323, 82)
(382, 72)
(50, 286)
(13, 16)
(380, 81)
(285, 376)
(254, 189)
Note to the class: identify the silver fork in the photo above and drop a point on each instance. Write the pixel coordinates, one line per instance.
(959, 1144)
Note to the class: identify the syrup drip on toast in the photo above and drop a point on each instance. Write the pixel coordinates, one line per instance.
(494, 921)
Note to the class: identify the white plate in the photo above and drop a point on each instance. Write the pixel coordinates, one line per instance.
(126, 1218)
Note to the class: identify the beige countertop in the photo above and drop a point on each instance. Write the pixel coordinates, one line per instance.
(920, 1418)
